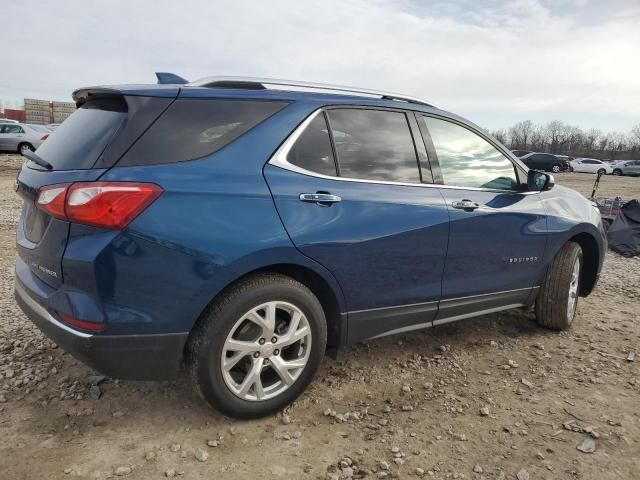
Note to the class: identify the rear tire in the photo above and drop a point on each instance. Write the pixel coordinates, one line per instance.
(23, 147)
(239, 358)
(557, 299)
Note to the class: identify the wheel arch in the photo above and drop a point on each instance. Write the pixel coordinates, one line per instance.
(590, 261)
(325, 289)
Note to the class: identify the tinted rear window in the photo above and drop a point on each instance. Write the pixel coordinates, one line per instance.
(194, 128)
(78, 142)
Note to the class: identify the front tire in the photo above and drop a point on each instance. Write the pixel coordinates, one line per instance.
(602, 171)
(557, 299)
(555, 168)
(258, 346)
(617, 172)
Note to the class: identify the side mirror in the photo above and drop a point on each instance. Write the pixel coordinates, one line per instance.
(539, 181)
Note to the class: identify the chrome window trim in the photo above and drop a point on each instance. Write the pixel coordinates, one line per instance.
(279, 159)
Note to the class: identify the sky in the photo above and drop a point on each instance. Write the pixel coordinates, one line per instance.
(494, 62)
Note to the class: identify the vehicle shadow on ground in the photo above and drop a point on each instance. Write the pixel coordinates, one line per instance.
(169, 403)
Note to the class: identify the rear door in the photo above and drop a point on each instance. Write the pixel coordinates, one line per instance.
(497, 232)
(352, 198)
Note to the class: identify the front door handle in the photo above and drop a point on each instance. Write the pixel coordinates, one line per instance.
(465, 204)
(320, 198)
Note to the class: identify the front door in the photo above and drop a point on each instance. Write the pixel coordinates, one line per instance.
(366, 215)
(497, 231)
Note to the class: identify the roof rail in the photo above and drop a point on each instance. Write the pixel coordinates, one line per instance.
(257, 83)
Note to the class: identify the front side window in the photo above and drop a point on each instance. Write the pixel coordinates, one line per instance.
(374, 145)
(468, 160)
(312, 150)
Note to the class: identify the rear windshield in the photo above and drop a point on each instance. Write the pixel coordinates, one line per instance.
(194, 128)
(78, 142)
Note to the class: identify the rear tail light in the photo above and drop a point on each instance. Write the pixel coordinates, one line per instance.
(81, 324)
(101, 204)
(44, 137)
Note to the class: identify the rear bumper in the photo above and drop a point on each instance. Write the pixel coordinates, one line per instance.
(129, 357)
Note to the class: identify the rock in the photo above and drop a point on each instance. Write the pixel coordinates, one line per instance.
(383, 421)
(484, 411)
(297, 434)
(540, 456)
(122, 471)
(406, 388)
(286, 420)
(95, 379)
(383, 465)
(477, 469)
(67, 471)
(512, 364)
(526, 382)
(395, 449)
(398, 461)
(631, 356)
(94, 392)
(170, 473)
(150, 456)
(3, 399)
(278, 471)
(212, 443)
(522, 474)
(175, 447)
(201, 455)
(419, 471)
(347, 472)
(588, 445)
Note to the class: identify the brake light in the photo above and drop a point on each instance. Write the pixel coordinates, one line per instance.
(44, 137)
(81, 324)
(51, 200)
(101, 204)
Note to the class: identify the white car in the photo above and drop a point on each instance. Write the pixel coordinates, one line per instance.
(591, 165)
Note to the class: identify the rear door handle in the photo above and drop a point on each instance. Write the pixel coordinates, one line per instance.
(324, 199)
(465, 204)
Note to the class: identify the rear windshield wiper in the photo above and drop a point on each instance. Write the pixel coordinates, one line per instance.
(34, 157)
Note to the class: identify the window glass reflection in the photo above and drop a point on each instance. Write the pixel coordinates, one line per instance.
(467, 160)
(374, 145)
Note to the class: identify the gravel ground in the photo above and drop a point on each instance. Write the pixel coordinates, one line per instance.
(489, 398)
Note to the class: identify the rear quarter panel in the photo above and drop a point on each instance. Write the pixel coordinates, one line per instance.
(214, 222)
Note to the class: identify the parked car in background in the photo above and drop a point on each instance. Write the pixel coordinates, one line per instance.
(545, 162)
(520, 153)
(628, 167)
(21, 137)
(237, 230)
(591, 165)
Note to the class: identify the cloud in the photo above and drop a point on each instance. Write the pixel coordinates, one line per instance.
(495, 61)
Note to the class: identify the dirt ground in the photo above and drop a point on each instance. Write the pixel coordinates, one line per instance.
(489, 398)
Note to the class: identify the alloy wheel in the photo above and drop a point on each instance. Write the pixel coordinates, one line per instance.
(573, 290)
(266, 351)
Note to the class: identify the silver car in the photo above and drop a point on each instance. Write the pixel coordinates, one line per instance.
(20, 137)
(630, 167)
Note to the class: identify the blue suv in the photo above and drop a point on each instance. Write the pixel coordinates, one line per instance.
(235, 228)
